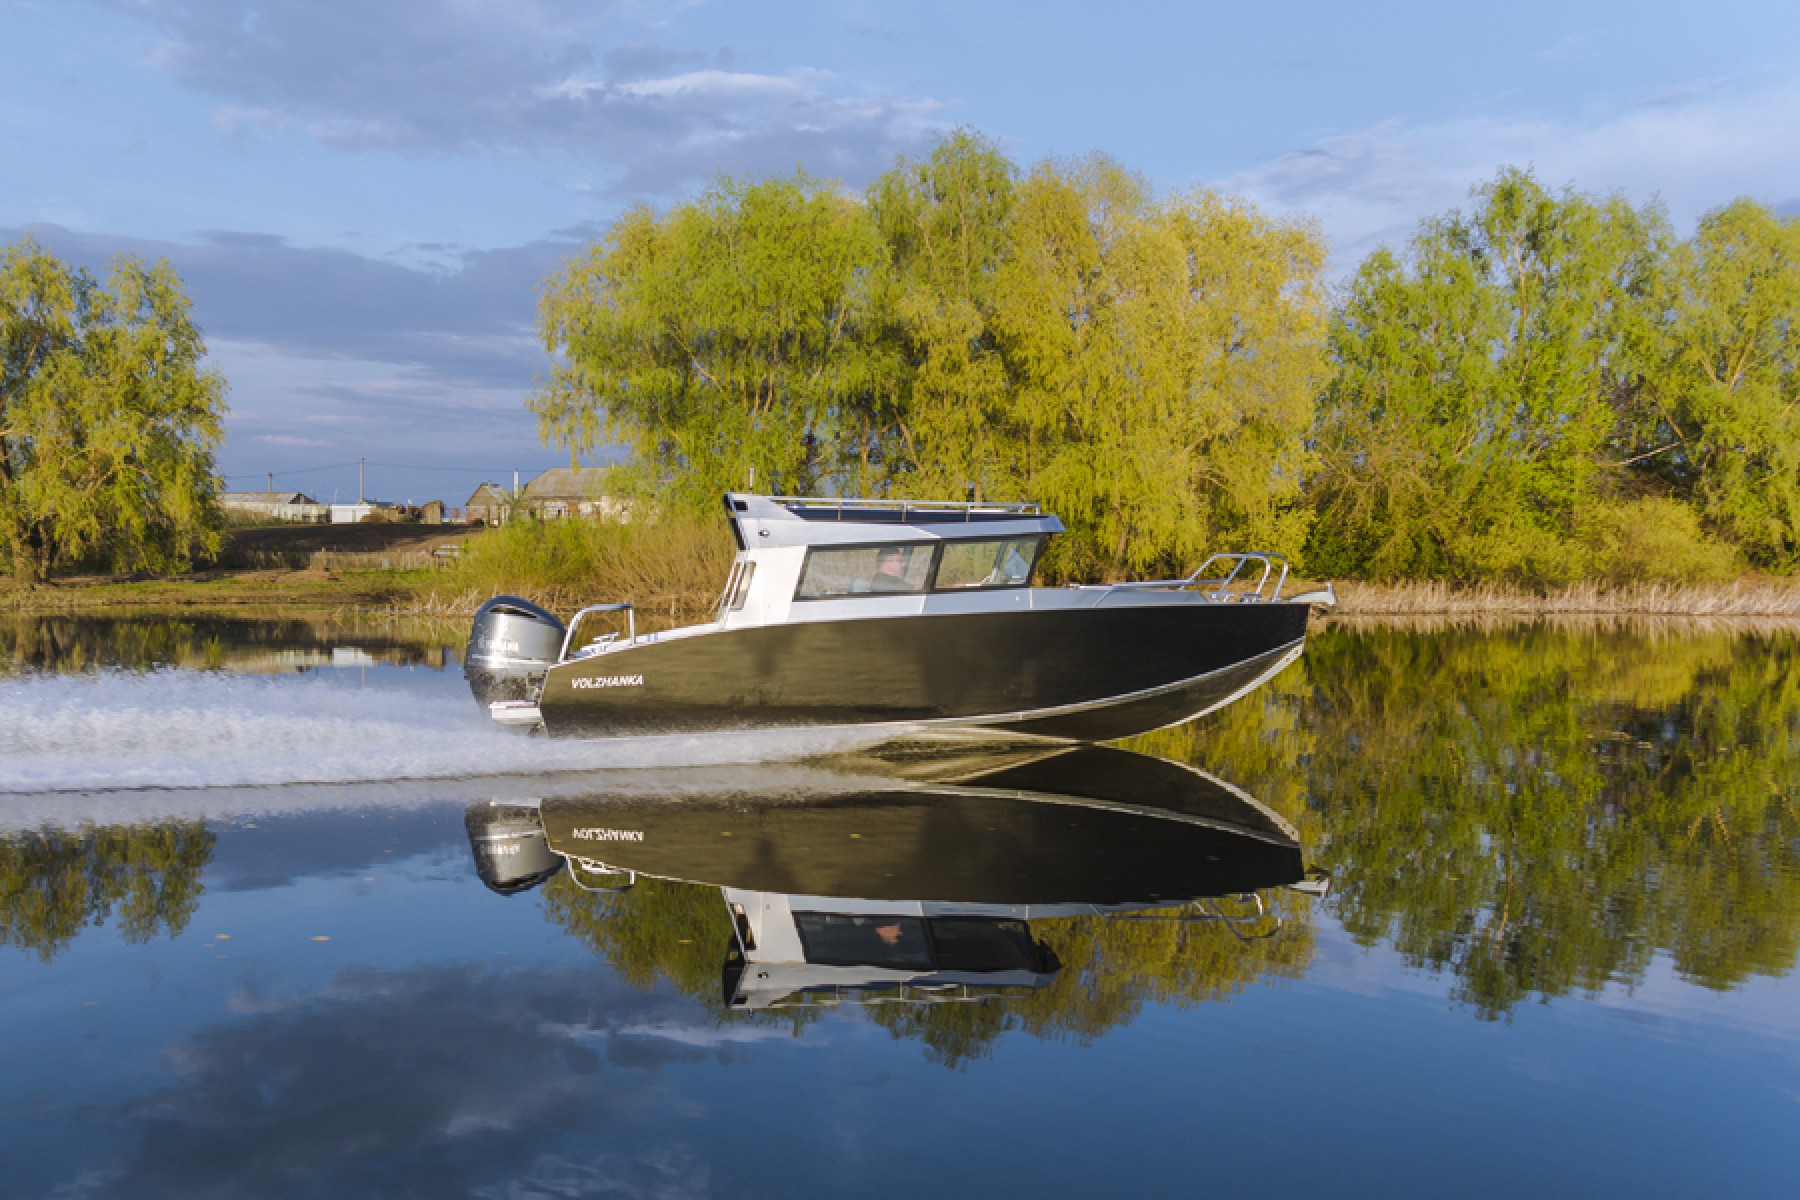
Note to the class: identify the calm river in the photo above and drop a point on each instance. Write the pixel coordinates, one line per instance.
(1440, 912)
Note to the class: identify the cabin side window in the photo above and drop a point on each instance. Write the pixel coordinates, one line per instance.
(1004, 562)
(741, 592)
(864, 570)
(840, 940)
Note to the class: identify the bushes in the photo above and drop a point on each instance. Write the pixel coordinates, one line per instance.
(1653, 539)
(670, 569)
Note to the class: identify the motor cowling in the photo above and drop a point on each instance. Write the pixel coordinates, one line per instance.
(511, 644)
(511, 853)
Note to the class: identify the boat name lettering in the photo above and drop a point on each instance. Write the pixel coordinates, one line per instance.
(591, 834)
(606, 681)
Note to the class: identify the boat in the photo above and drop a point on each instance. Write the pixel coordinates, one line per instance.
(917, 865)
(898, 615)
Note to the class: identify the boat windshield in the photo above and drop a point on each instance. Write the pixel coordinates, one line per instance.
(1004, 562)
(864, 570)
(952, 566)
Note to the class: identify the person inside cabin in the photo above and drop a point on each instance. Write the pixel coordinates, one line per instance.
(890, 571)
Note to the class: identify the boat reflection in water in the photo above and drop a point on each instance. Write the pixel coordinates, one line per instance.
(916, 867)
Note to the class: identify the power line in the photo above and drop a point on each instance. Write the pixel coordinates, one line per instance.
(490, 469)
(295, 471)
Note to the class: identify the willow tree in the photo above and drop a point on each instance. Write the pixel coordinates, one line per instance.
(108, 420)
(944, 225)
(1718, 420)
(1473, 421)
(1164, 356)
(723, 337)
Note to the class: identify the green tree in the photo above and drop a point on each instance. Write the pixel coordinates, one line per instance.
(1165, 355)
(1144, 367)
(1718, 422)
(944, 223)
(726, 336)
(1473, 417)
(108, 420)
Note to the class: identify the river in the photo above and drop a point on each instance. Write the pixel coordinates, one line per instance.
(1488, 911)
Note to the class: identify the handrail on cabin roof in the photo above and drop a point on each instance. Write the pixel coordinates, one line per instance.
(1019, 508)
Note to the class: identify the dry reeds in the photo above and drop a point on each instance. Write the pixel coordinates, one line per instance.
(1443, 603)
(671, 570)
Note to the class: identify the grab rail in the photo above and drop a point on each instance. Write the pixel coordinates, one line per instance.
(1217, 587)
(577, 864)
(1266, 558)
(923, 507)
(575, 623)
(1246, 926)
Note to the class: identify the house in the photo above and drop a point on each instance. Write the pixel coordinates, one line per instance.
(350, 514)
(488, 506)
(574, 492)
(273, 506)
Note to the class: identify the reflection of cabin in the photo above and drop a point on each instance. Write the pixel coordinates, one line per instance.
(573, 492)
(273, 506)
(790, 945)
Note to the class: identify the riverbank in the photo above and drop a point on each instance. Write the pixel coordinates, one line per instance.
(441, 592)
(305, 588)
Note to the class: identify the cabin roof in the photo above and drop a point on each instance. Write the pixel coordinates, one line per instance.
(806, 521)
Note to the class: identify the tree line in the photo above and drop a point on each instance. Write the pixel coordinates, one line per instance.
(1547, 387)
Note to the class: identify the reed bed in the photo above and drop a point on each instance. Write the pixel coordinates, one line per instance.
(670, 570)
(1739, 600)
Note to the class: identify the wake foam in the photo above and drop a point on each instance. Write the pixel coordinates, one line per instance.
(162, 730)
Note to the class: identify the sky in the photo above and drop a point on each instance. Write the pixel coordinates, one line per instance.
(364, 196)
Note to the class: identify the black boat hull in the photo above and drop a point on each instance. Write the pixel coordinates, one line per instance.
(1080, 674)
(1090, 825)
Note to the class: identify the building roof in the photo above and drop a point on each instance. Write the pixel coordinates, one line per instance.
(265, 498)
(584, 483)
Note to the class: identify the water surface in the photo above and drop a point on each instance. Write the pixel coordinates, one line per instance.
(246, 949)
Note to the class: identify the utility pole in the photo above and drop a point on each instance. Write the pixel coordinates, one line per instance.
(359, 481)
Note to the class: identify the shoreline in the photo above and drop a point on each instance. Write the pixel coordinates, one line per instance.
(1748, 599)
(410, 593)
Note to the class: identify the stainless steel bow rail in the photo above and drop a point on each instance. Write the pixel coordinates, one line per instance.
(1226, 586)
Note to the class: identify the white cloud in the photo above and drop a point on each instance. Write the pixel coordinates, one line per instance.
(728, 85)
(1696, 147)
(543, 77)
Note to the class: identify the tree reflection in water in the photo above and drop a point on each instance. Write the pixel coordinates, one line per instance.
(1110, 967)
(1533, 812)
(145, 879)
(1542, 810)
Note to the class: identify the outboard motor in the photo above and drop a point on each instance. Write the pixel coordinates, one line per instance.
(511, 645)
(511, 852)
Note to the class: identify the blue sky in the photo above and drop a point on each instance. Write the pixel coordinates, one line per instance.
(363, 195)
